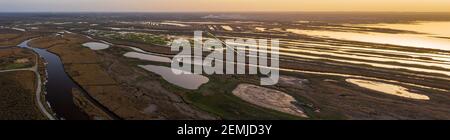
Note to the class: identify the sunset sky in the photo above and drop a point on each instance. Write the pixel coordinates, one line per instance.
(223, 5)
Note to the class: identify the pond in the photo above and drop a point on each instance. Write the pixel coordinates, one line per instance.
(96, 45)
(388, 89)
(187, 81)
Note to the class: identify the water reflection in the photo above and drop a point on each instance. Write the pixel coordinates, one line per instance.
(411, 40)
(147, 57)
(59, 86)
(431, 28)
(96, 45)
(388, 89)
(429, 39)
(187, 81)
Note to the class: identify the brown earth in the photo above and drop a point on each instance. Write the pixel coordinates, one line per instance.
(14, 58)
(17, 90)
(57, 40)
(147, 90)
(88, 107)
(333, 98)
(10, 37)
(128, 98)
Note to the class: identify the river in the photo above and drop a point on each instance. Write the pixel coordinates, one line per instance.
(59, 86)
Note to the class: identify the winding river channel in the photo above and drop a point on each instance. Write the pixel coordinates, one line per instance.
(59, 86)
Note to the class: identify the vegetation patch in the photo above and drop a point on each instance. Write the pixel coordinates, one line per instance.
(16, 58)
(144, 38)
(17, 91)
(217, 98)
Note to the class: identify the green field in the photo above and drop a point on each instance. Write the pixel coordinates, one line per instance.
(144, 38)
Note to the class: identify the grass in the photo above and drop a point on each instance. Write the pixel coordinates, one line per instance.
(10, 55)
(216, 97)
(17, 92)
(15, 66)
(144, 38)
(9, 37)
(141, 38)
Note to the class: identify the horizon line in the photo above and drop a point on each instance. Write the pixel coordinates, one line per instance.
(325, 11)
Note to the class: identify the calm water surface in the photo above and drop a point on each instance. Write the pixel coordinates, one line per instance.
(433, 35)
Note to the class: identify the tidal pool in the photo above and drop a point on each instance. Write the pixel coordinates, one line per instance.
(388, 89)
(96, 45)
(187, 81)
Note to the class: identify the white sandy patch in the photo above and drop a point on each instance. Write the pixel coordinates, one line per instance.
(19, 29)
(268, 98)
(228, 28)
(211, 28)
(260, 29)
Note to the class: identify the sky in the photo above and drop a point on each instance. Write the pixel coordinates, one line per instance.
(222, 5)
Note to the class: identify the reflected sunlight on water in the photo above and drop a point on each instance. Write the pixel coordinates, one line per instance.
(429, 39)
(432, 28)
(388, 89)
